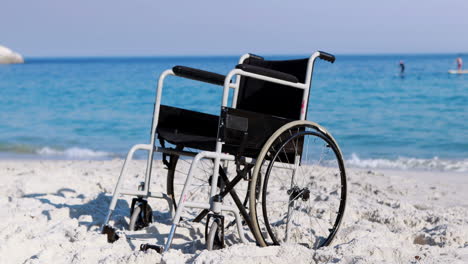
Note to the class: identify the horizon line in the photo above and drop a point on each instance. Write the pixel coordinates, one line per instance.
(234, 55)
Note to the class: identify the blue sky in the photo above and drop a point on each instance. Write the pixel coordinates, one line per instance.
(214, 27)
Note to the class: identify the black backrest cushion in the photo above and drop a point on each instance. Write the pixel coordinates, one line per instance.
(271, 98)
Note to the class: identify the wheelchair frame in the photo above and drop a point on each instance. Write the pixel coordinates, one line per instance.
(213, 205)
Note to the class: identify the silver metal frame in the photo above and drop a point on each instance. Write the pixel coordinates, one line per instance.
(217, 155)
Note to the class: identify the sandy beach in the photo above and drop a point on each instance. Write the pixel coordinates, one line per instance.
(52, 210)
(312, 132)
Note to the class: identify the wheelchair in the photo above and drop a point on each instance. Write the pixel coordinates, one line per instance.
(277, 174)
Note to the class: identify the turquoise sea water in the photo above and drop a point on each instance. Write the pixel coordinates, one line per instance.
(91, 108)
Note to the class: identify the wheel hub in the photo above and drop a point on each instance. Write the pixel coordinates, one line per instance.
(296, 193)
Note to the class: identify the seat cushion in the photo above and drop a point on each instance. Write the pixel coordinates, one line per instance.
(188, 128)
(176, 137)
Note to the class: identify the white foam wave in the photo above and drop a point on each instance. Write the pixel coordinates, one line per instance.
(409, 163)
(78, 153)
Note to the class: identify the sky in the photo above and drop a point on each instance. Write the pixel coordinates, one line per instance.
(59, 28)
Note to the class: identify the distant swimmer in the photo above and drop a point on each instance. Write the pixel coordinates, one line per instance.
(402, 67)
(459, 69)
(459, 63)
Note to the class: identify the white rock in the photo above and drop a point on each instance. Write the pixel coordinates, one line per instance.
(7, 56)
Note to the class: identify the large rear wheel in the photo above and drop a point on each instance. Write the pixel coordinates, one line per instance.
(301, 180)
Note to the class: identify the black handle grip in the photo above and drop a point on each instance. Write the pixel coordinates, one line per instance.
(256, 56)
(327, 56)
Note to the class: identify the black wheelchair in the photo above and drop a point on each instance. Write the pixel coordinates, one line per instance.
(277, 174)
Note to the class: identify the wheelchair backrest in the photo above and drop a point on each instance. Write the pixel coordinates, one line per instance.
(271, 98)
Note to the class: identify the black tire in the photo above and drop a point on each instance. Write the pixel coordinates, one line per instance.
(213, 240)
(173, 159)
(134, 218)
(302, 187)
(140, 219)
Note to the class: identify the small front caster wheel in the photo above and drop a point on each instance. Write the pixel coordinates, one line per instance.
(141, 215)
(214, 240)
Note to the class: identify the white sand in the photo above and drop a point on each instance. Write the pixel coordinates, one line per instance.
(51, 211)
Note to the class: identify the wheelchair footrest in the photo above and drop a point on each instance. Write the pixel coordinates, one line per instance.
(111, 233)
(145, 247)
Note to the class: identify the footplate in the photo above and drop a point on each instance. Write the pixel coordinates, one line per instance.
(145, 247)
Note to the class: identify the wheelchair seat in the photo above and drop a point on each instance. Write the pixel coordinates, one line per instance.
(191, 129)
(187, 128)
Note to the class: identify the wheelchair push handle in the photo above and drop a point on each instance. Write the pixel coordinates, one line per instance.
(251, 55)
(327, 56)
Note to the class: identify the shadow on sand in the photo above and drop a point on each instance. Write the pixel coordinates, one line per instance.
(92, 214)
(96, 208)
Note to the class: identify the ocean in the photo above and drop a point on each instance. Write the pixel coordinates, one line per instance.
(97, 108)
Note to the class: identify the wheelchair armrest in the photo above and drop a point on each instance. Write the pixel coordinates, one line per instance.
(268, 72)
(199, 75)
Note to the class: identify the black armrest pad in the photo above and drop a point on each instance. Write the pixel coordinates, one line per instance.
(199, 75)
(268, 72)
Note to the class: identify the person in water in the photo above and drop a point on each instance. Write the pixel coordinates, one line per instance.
(402, 67)
(459, 63)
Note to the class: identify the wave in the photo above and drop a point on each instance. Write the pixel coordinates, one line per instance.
(400, 163)
(34, 152)
(73, 153)
(18, 150)
(404, 163)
